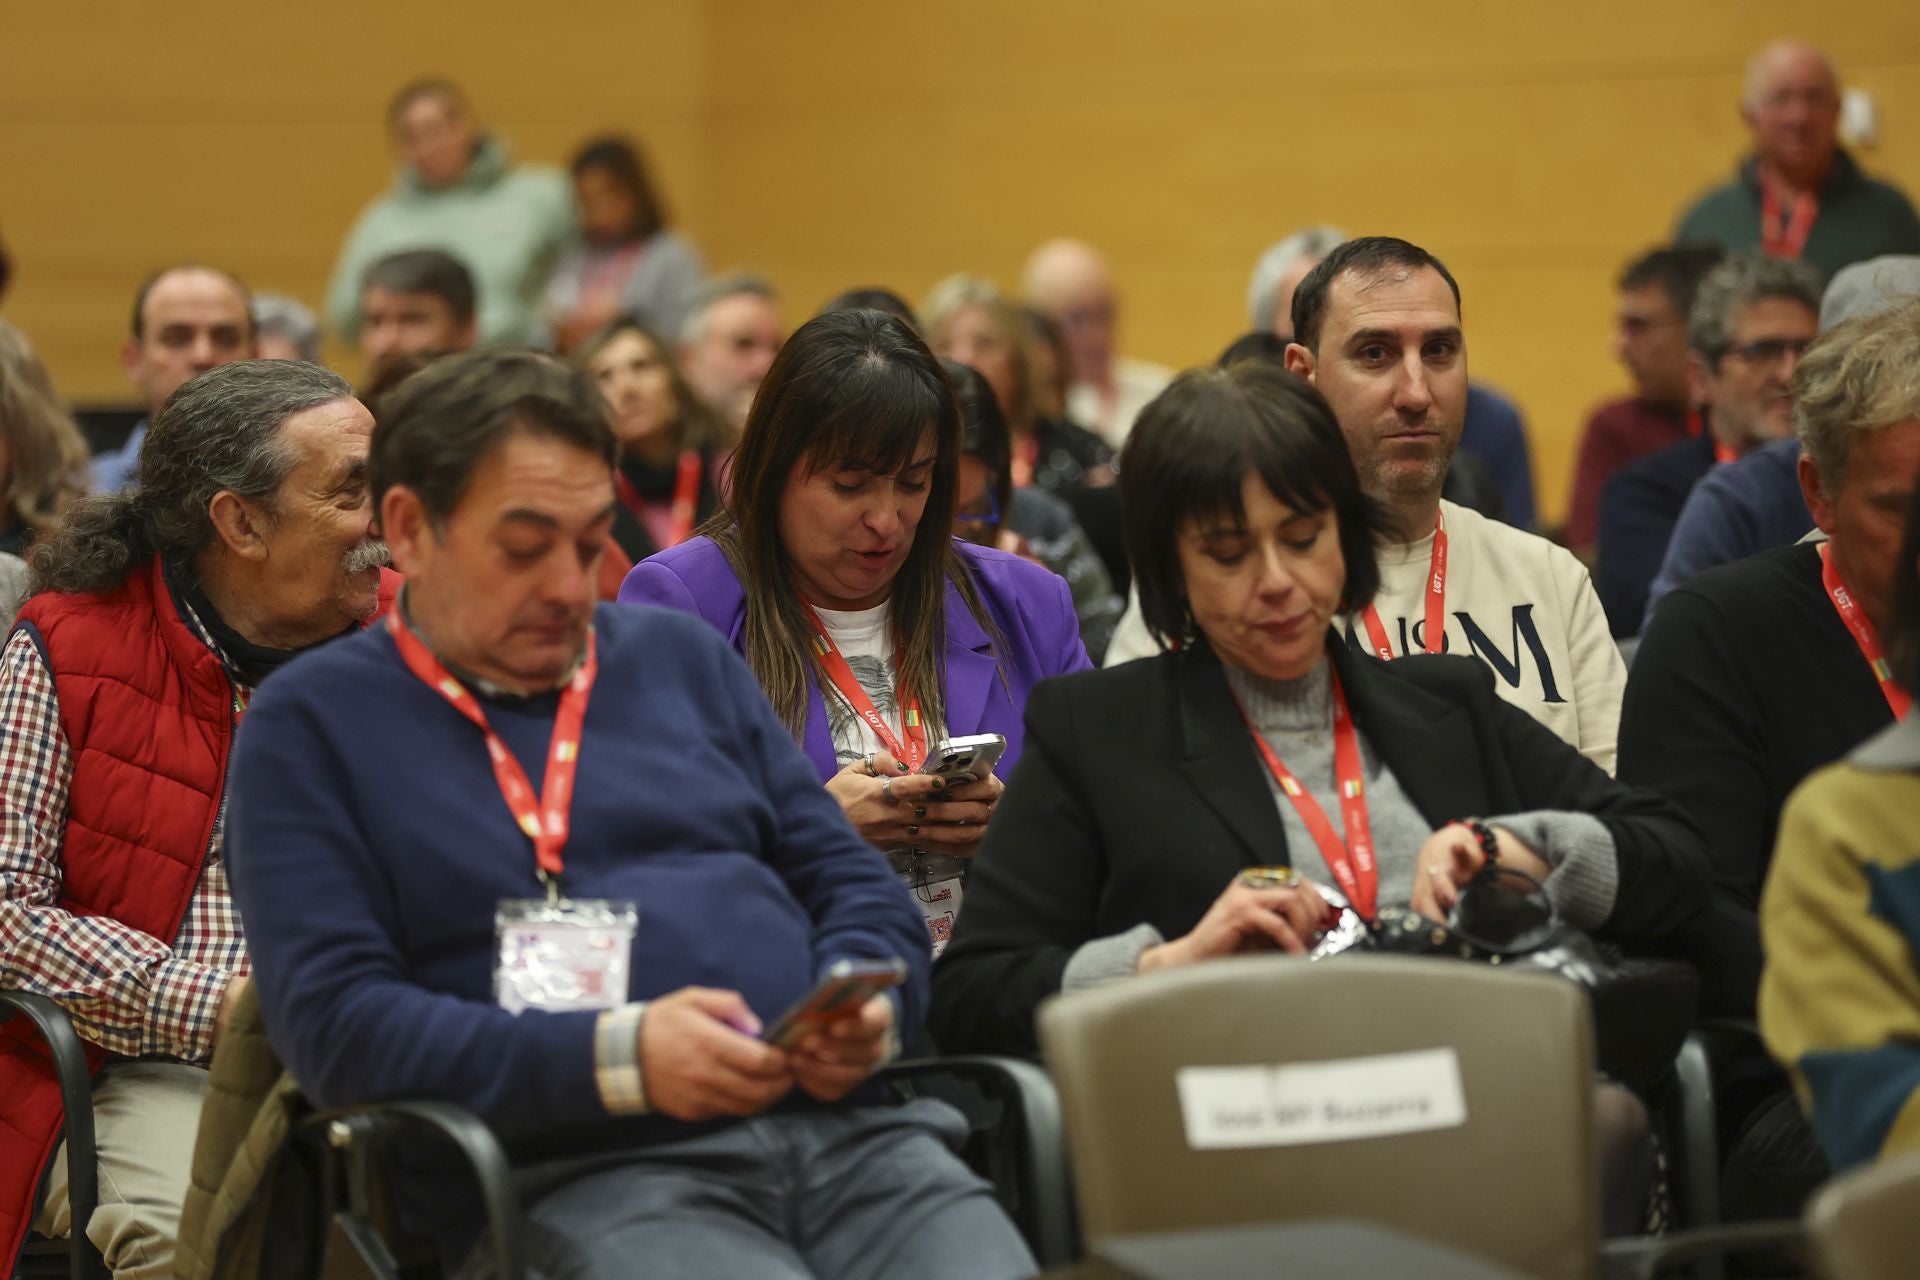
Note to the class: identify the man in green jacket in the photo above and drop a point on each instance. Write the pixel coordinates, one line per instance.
(457, 192)
(1799, 195)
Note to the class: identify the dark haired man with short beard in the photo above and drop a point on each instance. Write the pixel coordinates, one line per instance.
(161, 609)
(1650, 339)
(412, 302)
(503, 750)
(1377, 328)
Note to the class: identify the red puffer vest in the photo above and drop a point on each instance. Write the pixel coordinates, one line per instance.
(147, 712)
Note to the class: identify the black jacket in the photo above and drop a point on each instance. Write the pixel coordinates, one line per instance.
(1140, 795)
(1746, 682)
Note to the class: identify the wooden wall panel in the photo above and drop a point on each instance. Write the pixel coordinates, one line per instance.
(1534, 146)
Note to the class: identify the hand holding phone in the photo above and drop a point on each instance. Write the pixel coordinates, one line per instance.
(841, 992)
(970, 758)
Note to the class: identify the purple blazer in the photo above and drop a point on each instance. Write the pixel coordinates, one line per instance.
(1030, 606)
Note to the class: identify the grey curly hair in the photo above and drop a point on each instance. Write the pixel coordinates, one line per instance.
(219, 431)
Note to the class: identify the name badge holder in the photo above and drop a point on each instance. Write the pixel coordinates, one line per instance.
(936, 892)
(563, 954)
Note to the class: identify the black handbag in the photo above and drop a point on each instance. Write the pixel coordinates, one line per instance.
(1642, 1009)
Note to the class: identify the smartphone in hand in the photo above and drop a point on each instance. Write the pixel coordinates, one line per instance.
(967, 759)
(840, 993)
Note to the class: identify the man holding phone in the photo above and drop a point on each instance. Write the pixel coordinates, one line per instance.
(563, 866)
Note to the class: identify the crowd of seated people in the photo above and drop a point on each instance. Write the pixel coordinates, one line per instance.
(531, 729)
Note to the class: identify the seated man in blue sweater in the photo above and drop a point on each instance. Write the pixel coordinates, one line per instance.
(506, 749)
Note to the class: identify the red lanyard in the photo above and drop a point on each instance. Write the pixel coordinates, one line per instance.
(546, 823)
(1864, 634)
(1351, 860)
(1026, 452)
(1436, 637)
(914, 753)
(1783, 234)
(1722, 451)
(686, 496)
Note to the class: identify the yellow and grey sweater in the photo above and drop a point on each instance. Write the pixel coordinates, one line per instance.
(1840, 919)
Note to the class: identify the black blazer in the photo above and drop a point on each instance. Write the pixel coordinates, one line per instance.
(1140, 795)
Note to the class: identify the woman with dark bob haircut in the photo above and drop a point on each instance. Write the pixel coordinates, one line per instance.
(834, 571)
(1262, 741)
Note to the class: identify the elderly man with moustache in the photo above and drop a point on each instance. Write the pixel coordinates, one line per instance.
(244, 541)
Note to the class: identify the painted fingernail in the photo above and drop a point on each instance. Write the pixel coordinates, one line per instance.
(901, 767)
(919, 811)
(939, 784)
(913, 830)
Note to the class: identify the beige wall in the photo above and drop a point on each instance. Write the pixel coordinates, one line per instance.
(1532, 145)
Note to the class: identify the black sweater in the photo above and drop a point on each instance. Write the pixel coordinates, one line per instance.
(1745, 682)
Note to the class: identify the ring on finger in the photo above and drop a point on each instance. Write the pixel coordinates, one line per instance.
(886, 789)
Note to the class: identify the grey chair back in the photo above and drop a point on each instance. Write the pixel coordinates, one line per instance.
(1504, 1169)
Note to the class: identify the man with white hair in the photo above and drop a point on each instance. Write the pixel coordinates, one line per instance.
(1754, 674)
(727, 343)
(1799, 194)
(1069, 280)
(245, 541)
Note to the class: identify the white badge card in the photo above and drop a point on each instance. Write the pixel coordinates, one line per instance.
(1339, 1101)
(563, 955)
(940, 904)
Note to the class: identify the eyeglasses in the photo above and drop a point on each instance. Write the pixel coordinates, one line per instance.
(987, 519)
(1768, 351)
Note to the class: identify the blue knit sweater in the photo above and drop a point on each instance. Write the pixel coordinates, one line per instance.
(370, 845)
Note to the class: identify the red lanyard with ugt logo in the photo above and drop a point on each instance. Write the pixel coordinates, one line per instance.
(1351, 860)
(913, 752)
(546, 821)
(1863, 631)
(1436, 638)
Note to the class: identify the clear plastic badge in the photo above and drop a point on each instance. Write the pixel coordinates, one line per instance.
(563, 954)
(940, 905)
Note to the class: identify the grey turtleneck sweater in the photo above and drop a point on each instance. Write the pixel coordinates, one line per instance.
(1296, 719)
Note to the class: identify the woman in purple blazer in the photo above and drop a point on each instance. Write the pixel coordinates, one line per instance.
(873, 631)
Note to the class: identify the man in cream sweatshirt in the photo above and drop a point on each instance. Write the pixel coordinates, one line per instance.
(1377, 328)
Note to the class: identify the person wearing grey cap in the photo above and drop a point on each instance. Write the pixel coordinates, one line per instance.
(1748, 506)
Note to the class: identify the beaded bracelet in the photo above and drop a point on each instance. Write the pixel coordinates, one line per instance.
(1489, 843)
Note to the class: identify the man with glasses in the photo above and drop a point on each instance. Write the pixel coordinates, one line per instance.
(1755, 674)
(1752, 318)
(1800, 195)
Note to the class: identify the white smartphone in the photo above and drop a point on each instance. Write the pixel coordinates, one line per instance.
(971, 758)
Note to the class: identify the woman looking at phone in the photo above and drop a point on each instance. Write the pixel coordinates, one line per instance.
(1263, 740)
(834, 572)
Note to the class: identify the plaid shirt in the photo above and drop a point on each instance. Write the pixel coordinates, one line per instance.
(128, 992)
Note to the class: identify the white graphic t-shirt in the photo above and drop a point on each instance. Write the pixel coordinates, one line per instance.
(865, 639)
